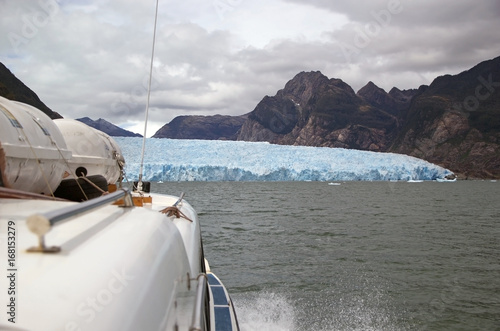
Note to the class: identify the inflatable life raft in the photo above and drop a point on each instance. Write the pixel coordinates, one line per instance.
(62, 158)
(96, 161)
(34, 150)
(93, 151)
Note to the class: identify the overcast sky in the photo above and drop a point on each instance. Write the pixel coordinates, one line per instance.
(91, 57)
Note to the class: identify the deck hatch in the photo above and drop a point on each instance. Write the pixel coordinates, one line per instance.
(212, 280)
(219, 296)
(223, 319)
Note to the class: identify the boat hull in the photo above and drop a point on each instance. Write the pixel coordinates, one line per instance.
(222, 311)
(118, 268)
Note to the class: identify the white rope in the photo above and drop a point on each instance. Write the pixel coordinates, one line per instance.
(147, 102)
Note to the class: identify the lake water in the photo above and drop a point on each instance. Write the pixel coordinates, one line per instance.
(354, 256)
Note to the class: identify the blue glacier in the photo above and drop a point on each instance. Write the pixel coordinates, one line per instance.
(214, 160)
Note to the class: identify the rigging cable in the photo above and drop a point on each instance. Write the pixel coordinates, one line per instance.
(139, 184)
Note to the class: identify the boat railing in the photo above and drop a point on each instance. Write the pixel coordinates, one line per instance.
(41, 224)
(198, 322)
(179, 200)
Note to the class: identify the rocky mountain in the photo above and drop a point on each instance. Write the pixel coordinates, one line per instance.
(313, 110)
(12, 88)
(202, 127)
(395, 102)
(455, 122)
(108, 128)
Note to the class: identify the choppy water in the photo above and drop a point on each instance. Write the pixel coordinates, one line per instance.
(355, 256)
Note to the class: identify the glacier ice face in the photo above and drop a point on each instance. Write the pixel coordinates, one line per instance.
(213, 160)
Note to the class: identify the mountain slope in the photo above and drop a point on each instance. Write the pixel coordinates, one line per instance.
(313, 110)
(202, 127)
(107, 127)
(12, 88)
(455, 122)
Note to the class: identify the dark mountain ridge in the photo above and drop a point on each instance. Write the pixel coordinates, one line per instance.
(12, 88)
(202, 127)
(107, 127)
(313, 110)
(453, 122)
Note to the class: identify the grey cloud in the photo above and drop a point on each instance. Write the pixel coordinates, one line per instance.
(424, 12)
(93, 60)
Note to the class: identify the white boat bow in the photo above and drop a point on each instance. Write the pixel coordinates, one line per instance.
(114, 267)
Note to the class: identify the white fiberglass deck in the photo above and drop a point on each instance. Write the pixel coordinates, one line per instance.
(118, 268)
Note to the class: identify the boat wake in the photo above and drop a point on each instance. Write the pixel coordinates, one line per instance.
(264, 311)
(267, 310)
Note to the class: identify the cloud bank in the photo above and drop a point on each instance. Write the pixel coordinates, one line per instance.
(222, 56)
